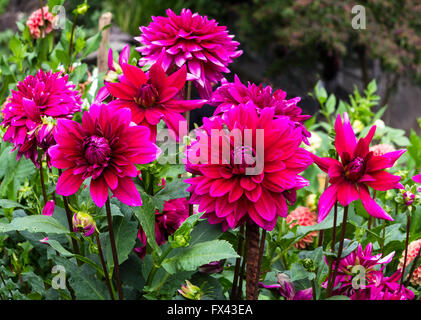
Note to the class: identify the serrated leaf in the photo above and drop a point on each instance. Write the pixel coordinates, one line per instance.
(36, 223)
(298, 272)
(192, 257)
(8, 204)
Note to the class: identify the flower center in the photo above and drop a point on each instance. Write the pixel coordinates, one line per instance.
(241, 158)
(355, 169)
(97, 150)
(146, 95)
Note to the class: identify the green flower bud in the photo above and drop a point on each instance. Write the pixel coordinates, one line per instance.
(190, 291)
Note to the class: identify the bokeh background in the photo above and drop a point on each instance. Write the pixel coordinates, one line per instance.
(290, 44)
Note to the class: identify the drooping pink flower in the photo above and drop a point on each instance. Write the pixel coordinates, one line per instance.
(285, 287)
(254, 180)
(192, 40)
(230, 95)
(152, 96)
(360, 262)
(40, 22)
(48, 209)
(106, 148)
(123, 58)
(413, 250)
(174, 213)
(303, 216)
(33, 109)
(357, 170)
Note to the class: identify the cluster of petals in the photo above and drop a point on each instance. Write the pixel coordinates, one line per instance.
(413, 251)
(231, 94)
(361, 258)
(303, 216)
(357, 169)
(40, 22)
(105, 148)
(225, 189)
(152, 96)
(174, 213)
(191, 40)
(33, 108)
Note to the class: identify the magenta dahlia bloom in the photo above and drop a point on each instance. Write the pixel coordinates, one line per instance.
(224, 188)
(105, 148)
(357, 170)
(167, 222)
(152, 97)
(48, 209)
(230, 95)
(286, 289)
(33, 109)
(192, 40)
(359, 257)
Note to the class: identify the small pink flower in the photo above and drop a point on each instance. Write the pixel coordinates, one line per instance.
(303, 216)
(36, 22)
(189, 40)
(48, 209)
(106, 148)
(357, 169)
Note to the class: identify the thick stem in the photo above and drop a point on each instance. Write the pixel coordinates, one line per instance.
(242, 273)
(335, 218)
(113, 248)
(408, 226)
(104, 266)
(340, 249)
(253, 252)
(262, 249)
(237, 263)
(156, 267)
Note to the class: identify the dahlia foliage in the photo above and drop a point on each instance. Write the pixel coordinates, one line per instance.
(242, 211)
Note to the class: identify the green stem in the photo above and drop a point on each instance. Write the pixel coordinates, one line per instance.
(41, 174)
(341, 246)
(237, 263)
(157, 266)
(71, 43)
(113, 248)
(408, 227)
(104, 266)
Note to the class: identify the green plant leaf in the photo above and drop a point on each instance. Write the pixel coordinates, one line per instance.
(36, 223)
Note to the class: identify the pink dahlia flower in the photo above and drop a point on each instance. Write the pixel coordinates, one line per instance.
(413, 251)
(286, 289)
(381, 149)
(192, 40)
(357, 170)
(385, 288)
(33, 109)
(230, 95)
(360, 258)
(106, 148)
(303, 216)
(84, 223)
(40, 22)
(166, 223)
(152, 97)
(255, 180)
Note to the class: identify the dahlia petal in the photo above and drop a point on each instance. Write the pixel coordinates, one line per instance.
(345, 141)
(417, 178)
(178, 78)
(347, 192)
(372, 206)
(68, 183)
(325, 163)
(219, 188)
(111, 179)
(384, 181)
(326, 201)
(99, 191)
(127, 193)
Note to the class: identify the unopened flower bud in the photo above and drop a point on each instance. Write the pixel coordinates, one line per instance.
(83, 222)
(48, 209)
(190, 291)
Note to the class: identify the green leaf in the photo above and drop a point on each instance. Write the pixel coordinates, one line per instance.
(36, 223)
(59, 248)
(331, 104)
(338, 298)
(192, 257)
(125, 232)
(146, 216)
(8, 204)
(34, 281)
(298, 272)
(174, 190)
(92, 44)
